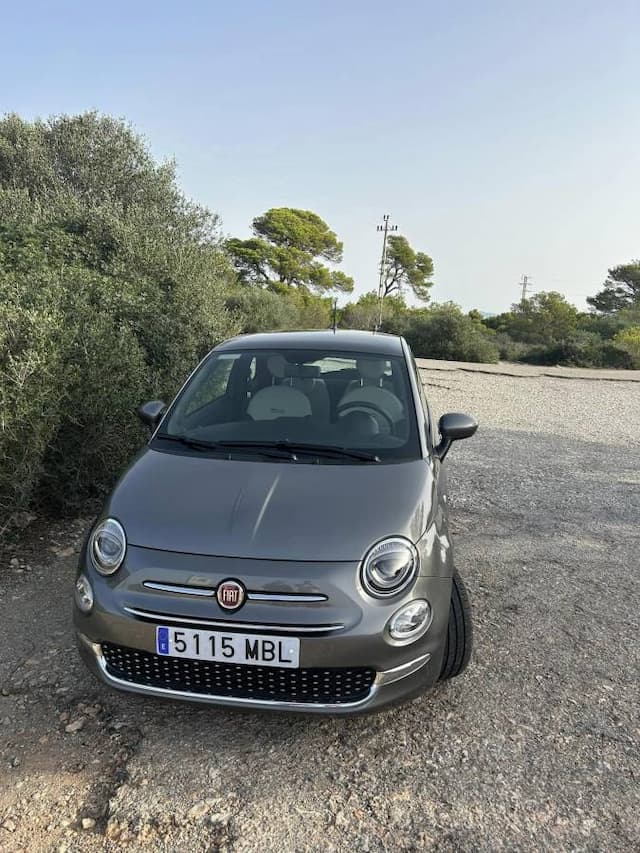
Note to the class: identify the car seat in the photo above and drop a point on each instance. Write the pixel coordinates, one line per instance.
(278, 400)
(368, 394)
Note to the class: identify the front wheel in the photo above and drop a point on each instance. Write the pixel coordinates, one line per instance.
(459, 641)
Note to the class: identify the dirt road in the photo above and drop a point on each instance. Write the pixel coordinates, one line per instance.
(536, 746)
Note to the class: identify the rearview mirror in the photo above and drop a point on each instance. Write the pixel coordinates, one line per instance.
(453, 427)
(151, 413)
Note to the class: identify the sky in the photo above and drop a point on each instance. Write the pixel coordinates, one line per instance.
(503, 138)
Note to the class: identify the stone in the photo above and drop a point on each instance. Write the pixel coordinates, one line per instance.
(75, 726)
(113, 830)
(64, 552)
(198, 811)
(88, 823)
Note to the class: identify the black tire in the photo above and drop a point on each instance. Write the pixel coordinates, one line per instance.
(459, 640)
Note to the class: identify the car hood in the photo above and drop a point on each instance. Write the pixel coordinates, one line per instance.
(269, 510)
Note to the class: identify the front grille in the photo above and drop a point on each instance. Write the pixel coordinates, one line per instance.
(212, 678)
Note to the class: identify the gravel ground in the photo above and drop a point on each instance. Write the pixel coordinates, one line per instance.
(605, 411)
(535, 747)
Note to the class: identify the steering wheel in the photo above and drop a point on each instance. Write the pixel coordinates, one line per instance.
(360, 405)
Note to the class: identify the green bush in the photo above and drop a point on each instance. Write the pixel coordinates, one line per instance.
(259, 309)
(112, 286)
(628, 341)
(508, 349)
(444, 332)
(365, 314)
(583, 349)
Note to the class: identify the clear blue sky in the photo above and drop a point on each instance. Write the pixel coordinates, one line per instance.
(504, 138)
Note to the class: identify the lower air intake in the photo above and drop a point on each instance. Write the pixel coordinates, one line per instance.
(212, 678)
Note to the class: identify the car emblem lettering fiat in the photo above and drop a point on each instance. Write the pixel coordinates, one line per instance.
(230, 595)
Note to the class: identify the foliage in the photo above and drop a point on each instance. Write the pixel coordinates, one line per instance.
(582, 349)
(112, 285)
(444, 331)
(287, 250)
(260, 310)
(440, 331)
(364, 313)
(605, 325)
(621, 289)
(544, 319)
(508, 349)
(628, 340)
(406, 269)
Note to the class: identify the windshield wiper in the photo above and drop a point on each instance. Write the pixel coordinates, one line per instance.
(328, 450)
(283, 449)
(265, 449)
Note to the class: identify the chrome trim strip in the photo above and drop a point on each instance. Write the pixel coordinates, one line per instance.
(160, 618)
(209, 592)
(96, 649)
(301, 597)
(183, 590)
(388, 676)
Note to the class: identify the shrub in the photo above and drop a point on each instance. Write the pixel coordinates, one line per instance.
(583, 349)
(443, 331)
(365, 313)
(112, 286)
(258, 309)
(508, 349)
(628, 341)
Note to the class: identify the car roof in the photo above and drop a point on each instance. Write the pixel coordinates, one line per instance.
(342, 340)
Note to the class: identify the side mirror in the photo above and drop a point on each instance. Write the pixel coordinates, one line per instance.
(453, 427)
(151, 413)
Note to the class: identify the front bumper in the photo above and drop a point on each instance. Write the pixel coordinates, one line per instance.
(344, 632)
(393, 685)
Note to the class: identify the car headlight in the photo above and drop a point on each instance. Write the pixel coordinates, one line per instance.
(389, 567)
(108, 545)
(411, 621)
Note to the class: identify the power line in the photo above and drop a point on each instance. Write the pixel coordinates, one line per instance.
(385, 228)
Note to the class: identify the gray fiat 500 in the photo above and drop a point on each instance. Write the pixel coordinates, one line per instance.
(282, 540)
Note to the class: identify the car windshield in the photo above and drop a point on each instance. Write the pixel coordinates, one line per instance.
(335, 407)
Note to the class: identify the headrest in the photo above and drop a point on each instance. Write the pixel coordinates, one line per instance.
(371, 368)
(277, 366)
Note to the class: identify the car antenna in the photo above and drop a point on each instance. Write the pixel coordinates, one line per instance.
(335, 315)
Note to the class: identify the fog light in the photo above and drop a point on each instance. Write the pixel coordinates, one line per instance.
(84, 595)
(411, 621)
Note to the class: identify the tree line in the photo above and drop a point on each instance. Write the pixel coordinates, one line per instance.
(283, 282)
(113, 284)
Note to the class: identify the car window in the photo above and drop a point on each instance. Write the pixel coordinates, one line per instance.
(426, 411)
(330, 364)
(359, 401)
(209, 385)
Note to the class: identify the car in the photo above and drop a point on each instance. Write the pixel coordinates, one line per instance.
(282, 541)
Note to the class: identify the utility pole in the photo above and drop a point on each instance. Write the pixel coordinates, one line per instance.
(385, 228)
(524, 284)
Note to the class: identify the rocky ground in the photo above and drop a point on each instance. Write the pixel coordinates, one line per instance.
(535, 747)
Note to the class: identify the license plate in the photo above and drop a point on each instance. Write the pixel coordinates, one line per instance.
(256, 649)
